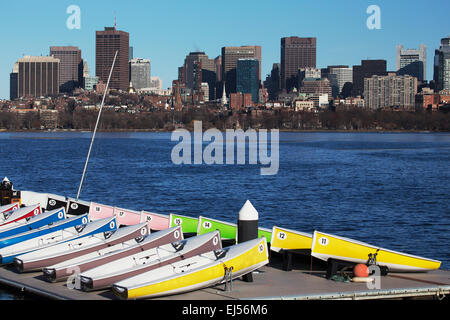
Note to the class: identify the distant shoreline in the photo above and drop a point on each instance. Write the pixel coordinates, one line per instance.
(191, 130)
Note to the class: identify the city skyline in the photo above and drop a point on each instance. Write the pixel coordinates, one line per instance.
(340, 29)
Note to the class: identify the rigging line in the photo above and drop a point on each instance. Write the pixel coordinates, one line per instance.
(96, 126)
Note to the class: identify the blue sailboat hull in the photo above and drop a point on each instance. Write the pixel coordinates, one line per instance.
(34, 223)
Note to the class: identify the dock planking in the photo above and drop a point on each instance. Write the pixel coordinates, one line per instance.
(270, 282)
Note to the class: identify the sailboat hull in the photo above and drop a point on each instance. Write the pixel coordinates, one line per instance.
(65, 269)
(285, 239)
(188, 224)
(326, 246)
(182, 277)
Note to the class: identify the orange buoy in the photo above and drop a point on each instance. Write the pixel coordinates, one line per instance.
(361, 270)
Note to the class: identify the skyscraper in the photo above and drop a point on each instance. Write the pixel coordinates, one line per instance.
(230, 56)
(107, 43)
(140, 73)
(367, 69)
(442, 65)
(296, 53)
(218, 64)
(131, 57)
(273, 82)
(338, 76)
(37, 76)
(412, 62)
(198, 69)
(247, 71)
(14, 82)
(70, 67)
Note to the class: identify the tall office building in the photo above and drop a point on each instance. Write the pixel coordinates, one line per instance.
(107, 43)
(218, 89)
(339, 76)
(89, 82)
(273, 82)
(14, 82)
(36, 77)
(131, 57)
(296, 53)
(230, 56)
(367, 69)
(198, 69)
(390, 91)
(218, 64)
(412, 62)
(70, 67)
(442, 65)
(140, 73)
(247, 71)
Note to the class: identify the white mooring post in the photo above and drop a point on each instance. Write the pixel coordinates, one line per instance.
(247, 228)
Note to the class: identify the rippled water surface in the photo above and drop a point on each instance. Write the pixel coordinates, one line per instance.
(390, 190)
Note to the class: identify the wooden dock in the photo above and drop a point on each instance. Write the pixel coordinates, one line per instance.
(269, 283)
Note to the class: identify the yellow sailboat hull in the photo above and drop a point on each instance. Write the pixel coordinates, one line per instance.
(285, 239)
(327, 246)
(212, 274)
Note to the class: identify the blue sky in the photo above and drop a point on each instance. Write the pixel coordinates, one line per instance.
(165, 32)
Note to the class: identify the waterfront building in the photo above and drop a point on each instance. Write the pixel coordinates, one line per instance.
(367, 69)
(140, 73)
(296, 53)
(107, 43)
(247, 72)
(35, 77)
(412, 62)
(70, 67)
(230, 56)
(390, 91)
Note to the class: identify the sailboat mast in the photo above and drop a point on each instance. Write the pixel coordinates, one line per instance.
(96, 126)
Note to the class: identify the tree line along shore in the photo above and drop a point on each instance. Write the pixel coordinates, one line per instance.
(349, 119)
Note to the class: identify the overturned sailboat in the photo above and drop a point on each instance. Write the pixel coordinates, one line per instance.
(65, 269)
(39, 259)
(106, 275)
(198, 272)
(326, 246)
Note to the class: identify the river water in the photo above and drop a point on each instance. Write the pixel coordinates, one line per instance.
(387, 189)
